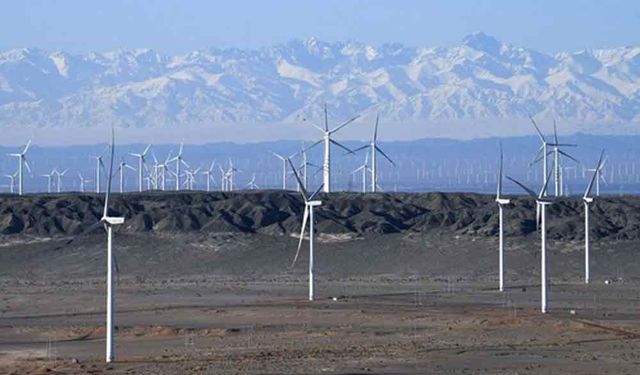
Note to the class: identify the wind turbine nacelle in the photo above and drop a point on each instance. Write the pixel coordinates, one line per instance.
(588, 199)
(113, 220)
(503, 200)
(314, 203)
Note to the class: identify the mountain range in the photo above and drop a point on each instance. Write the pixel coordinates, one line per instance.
(479, 80)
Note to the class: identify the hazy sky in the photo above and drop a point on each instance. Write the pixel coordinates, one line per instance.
(177, 26)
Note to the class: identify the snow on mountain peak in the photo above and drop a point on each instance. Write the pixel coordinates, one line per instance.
(482, 78)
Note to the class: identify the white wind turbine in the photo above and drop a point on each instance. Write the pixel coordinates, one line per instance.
(108, 222)
(587, 199)
(191, 177)
(48, 176)
(224, 179)
(252, 184)
(557, 152)
(209, 174)
(374, 149)
(364, 168)
(12, 179)
(22, 162)
(82, 181)
(284, 169)
(59, 176)
(501, 203)
(99, 164)
(600, 176)
(542, 202)
(309, 204)
(141, 166)
(121, 169)
(178, 160)
(327, 141)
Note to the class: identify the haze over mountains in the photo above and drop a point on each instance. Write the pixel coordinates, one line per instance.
(480, 81)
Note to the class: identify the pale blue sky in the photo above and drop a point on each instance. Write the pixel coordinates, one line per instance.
(174, 26)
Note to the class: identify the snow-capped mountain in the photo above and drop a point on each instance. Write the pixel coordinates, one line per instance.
(482, 78)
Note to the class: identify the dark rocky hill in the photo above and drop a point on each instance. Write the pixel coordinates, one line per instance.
(279, 213)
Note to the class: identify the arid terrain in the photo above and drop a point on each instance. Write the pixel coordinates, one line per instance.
(406, 284)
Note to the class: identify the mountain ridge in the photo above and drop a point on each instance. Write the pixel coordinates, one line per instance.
(480, 79)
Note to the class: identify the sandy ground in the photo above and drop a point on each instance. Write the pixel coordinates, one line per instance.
(430, 306)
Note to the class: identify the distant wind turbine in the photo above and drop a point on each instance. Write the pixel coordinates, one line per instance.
(141, 161)
(542, 201)
(309, 204)
(501, 202)
(587, 199)
(327, 141)
(22, 162)
(374, 149)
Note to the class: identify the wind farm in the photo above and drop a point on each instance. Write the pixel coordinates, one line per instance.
(191, 188)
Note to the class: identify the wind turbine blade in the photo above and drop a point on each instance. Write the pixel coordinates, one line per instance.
(181, 147)
(316, 192)
(26, 164)
(595, 175)
(341, 146)
(359, 148)
(385, 155)
(345, 124)
(538, 156)
(529, 191)
(555, 131)
(108, 192)
(375, 129)
(537, 129)
(569, 156)
(546, 185)
(312, 145)
(564, 145)
(26, 147)
(304, 225)
(146, 150)
(300, 184)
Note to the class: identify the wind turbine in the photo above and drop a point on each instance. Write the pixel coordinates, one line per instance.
(209, 174)
(121, 168)
(284, 169)
(59, 176)
(557, 151)
(600, 176)
(22, 161)
(108, 222)
(48, 176)
(364, 168)
(541, 201)
(501, 203)
(99, 164)
(327, 141)
(252, 184)
(82, 181)
(309, 204)
(587, 199)
(178, 160)
(141, 161)
(12, 178)
(374, 150)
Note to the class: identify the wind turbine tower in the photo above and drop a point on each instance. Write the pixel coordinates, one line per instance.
(22, 162)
